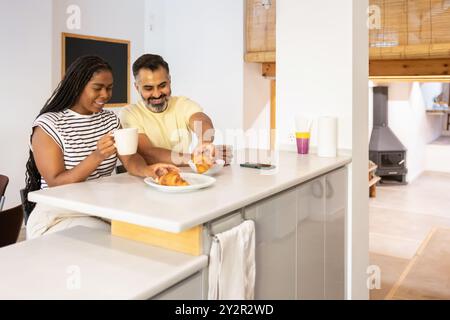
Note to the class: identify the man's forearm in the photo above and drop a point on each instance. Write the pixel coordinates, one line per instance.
(203, 127)
(208, 134)
(135, 165)
(156, 155)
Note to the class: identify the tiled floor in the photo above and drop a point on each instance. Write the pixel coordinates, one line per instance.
(402, 218)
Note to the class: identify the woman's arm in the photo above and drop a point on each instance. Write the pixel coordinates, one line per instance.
(50, 159)
(136, 165)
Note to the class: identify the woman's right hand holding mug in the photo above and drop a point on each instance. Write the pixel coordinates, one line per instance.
(105, 147)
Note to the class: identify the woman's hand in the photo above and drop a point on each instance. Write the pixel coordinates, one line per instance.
(105, 147)
(159, 169)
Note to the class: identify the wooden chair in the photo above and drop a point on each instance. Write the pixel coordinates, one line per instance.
(121, 169)
(26, 214)
(10, 224)
(373, 180)
(4, 180)
(3, 184)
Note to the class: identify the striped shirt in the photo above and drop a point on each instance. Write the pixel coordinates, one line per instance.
(77, 136)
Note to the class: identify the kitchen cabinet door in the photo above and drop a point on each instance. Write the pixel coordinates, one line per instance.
(188, 289)
(310, 240)
(335, 212)
(275, 225)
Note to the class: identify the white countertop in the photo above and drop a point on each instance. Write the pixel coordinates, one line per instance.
(127, 198)
(108, 267)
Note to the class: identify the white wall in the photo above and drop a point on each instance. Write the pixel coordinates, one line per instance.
(437, 158)
(25, 82)
(256, 106)
(204, 45)
(322, 63)
(117, 19)
(314, 65)
(409, 121)
(155, 21)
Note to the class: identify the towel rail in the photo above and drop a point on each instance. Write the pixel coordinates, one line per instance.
(212, 236)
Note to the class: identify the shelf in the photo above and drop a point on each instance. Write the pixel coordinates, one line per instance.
(437, 112)
(264, 56)
(374, 181)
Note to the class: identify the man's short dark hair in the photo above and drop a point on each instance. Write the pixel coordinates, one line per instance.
(149, 61)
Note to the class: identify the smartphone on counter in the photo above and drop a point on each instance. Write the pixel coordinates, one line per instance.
(262, 166)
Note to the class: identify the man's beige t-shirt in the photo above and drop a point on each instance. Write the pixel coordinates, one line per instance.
(168, 129)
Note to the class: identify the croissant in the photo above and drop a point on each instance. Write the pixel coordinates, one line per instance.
(172, 178)
(201, 164)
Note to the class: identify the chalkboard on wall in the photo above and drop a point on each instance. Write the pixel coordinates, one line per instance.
(115, 52)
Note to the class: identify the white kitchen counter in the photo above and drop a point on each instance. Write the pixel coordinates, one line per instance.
(127, 198)
(108, 267)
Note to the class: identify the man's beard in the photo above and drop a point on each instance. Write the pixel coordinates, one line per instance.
(157, 108)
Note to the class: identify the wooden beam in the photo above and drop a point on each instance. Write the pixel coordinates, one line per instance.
(386, 80)
(269, 69)
(419, 68)
(267, 56)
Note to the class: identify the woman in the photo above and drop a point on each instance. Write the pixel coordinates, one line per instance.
(72, 142)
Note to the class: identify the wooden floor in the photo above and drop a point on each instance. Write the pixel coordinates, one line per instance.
(410, 239)
(428, 273)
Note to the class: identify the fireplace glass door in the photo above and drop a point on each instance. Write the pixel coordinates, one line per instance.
(392, 159)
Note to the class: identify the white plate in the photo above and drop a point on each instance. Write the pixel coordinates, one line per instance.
(196, 181)
(213, 170)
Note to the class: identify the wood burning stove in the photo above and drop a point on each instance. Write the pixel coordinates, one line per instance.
(391, 166)
(385, 148)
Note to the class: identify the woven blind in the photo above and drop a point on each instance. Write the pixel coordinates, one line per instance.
(411, 29)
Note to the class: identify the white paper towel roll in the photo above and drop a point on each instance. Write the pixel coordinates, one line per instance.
(327, 137)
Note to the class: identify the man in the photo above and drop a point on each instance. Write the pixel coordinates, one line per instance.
(165, 123)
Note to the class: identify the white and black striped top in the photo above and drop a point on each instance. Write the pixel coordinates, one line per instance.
(77, 136)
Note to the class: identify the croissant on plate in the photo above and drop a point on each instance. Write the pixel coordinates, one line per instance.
(173, 179)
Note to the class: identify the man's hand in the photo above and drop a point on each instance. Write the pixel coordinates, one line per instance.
(160, 169)
(224, 152)
(206, 152)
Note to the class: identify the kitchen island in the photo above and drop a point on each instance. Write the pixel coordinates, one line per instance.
(299, 212)
(82, 263)
(128, 199)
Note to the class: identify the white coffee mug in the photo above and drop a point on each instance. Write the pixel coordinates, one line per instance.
(126, 141)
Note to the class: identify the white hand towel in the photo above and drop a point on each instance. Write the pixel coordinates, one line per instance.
(232, 264)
